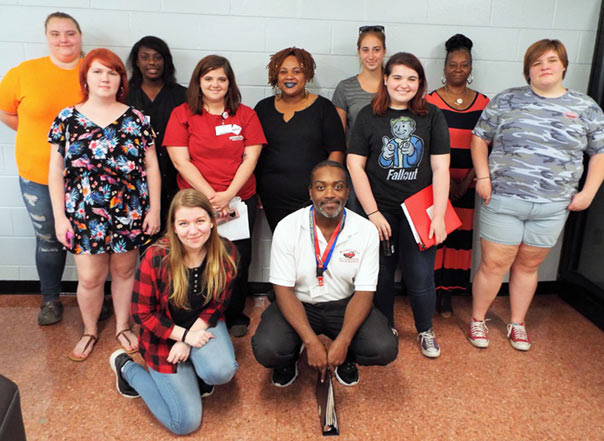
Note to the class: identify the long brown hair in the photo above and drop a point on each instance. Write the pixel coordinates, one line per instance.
(417, 105)
(232, 99)
(220, 266)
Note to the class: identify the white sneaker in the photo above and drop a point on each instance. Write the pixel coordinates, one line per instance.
(428, 343)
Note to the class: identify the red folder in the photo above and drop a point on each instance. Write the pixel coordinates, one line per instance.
(418, 210)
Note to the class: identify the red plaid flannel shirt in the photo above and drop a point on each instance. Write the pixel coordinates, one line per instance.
(149, 307)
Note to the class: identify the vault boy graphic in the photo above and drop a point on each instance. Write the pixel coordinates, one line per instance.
(404, 150)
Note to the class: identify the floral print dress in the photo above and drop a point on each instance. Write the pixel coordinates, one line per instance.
(106, 191)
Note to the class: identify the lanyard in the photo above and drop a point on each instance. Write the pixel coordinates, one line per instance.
(323, 261)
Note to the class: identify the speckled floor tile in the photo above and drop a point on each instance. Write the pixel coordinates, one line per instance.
(553, 392)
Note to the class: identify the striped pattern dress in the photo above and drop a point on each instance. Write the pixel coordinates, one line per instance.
(453, 262)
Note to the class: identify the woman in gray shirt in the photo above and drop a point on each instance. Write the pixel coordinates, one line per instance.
(354, 93)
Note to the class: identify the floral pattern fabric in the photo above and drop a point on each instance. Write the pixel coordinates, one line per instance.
(106, 191)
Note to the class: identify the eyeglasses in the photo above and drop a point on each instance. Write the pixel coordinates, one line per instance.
(374, 28)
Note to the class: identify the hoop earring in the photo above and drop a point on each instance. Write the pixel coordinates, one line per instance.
(305, 90)
(470, 79)
(443, 79)
(276, 90)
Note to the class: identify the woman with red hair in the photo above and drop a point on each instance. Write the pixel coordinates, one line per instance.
(104, 186)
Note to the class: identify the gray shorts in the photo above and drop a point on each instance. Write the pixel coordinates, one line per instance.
(511, 221)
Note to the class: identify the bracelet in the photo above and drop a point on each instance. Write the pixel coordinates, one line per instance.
(373, 212)
(184, 335)
(485, 177)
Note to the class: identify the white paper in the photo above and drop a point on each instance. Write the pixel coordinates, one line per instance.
(236, 229)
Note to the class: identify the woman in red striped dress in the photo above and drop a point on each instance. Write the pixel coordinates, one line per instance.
(462, 107)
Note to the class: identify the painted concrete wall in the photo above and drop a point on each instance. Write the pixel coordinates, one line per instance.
(248, 31)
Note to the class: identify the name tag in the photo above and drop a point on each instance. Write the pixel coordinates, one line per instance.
(223, 129)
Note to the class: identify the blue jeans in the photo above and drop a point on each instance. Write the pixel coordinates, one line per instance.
(417, 268)
(175, 399)
(50, 255)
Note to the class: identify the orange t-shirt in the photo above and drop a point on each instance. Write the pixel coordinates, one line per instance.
(36, 90)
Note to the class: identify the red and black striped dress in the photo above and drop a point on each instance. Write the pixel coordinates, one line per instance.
(453, 262)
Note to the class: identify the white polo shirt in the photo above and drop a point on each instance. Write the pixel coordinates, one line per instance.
(354, 264)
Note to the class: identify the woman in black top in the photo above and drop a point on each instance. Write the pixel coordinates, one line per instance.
(399, 146)
(153, 90)
(301, 129)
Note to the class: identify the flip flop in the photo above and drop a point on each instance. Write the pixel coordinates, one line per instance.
(122, 333)
(92, 339)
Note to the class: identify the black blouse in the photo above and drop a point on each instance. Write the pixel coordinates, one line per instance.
(293, 148)
(196, 297)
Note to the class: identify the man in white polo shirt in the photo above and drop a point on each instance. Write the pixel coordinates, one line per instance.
(324, 268)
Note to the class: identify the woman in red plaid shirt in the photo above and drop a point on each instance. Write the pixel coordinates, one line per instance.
(181, 291)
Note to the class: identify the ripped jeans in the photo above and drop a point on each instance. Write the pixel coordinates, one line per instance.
(50, 255)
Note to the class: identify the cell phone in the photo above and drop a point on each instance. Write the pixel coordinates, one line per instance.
(69, 239)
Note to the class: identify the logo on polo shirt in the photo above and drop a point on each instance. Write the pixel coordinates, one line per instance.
(349, 256)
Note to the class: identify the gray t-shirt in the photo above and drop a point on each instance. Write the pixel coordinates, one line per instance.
(538, 142)
(350, 96)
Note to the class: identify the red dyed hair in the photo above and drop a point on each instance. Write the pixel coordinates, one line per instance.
(107, 59)
(417, 105)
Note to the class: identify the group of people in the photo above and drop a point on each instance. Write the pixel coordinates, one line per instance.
(143, 167)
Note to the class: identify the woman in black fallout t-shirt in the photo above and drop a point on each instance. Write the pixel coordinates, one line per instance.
(400, 145)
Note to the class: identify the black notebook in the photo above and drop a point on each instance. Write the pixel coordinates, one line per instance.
(327, 406)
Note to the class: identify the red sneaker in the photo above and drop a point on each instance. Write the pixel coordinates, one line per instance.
(477, 333)
(518, 337)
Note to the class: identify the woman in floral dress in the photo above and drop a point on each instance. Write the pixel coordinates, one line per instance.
(105, 187)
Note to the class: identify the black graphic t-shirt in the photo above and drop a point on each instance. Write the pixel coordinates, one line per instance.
(398, 146)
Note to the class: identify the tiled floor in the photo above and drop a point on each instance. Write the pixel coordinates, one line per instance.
(553, 392)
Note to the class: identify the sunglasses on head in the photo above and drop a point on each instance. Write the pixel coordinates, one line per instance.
(374, 28)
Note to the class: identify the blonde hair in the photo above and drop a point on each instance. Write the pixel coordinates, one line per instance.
(220, 266)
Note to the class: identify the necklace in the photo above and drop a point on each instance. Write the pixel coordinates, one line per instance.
(460, 99)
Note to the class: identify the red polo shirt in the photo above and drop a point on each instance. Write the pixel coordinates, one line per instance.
(215, 144)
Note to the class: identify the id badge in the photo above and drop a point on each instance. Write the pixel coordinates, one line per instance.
(223, 129)
(317, 291)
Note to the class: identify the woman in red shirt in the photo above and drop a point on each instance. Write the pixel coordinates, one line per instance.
(214, 142)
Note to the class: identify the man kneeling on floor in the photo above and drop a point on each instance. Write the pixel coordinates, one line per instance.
(324, 268)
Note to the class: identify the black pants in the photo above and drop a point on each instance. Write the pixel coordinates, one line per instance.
(418, 274)
(276, 344)
(234, 314)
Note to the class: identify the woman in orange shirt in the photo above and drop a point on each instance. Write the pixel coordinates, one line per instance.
(31, 95)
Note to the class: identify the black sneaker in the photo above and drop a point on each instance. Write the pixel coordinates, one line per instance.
(347, 373)
(117, 360)
(238, 330)
(443, 304)
(205, 389)
(50, 313)
(283, 377)
(106, 309)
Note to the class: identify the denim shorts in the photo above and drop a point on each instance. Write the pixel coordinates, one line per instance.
(511, 221)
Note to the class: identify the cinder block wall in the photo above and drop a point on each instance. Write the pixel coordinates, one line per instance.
(248, 31)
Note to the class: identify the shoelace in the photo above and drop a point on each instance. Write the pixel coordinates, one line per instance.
(479, 328)
(519, 332)
(427, 337)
